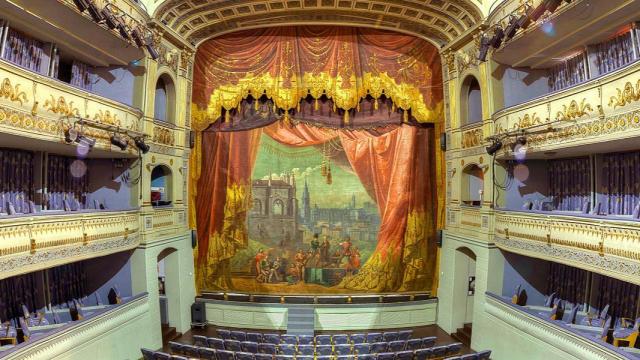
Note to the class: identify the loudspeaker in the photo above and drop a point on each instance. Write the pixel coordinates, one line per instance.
(192, 139)
(439, 237)
(443, 141)
(194, 239)
(198, 315)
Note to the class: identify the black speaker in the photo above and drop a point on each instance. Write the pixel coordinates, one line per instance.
(198, 315)
(192, 139)
(439, 237)
(194, 239)
(443, 141)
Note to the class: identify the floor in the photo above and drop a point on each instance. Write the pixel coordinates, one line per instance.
(431, 330)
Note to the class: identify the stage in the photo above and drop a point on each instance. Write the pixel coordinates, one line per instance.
(339, 312)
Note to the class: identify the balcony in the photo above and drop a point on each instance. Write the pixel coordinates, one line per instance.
(40, 108)
(34, 242)
(602, 113)
(520, 330)
(98, 45)
(552, 37)
(605, 245)
(164, 222)
(80, 339)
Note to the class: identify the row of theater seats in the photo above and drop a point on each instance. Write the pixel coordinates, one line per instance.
(191, 351)
(325, 339)
(320, 347)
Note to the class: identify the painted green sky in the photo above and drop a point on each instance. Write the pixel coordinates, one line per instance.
(305, 164)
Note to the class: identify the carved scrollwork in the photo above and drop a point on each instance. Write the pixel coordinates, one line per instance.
(163, 136)
(61, 106)
(527, 121)
(574, 110)
(12, 93)
(472, 138)
(106, 117)
(626, 96)
(465, 60)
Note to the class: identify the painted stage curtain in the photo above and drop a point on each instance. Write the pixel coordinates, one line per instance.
(393, 165)
(621, 182)
(569, 183)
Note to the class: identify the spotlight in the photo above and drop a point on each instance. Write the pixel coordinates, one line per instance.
(494, 147)
(124, 30)
(139, 141)
(512, 28)
(521, 140)
(524, 20)
(119, 141)
(498, 35)
(484, 47)
(86, 141)
(70, 135)
(151, 50)
(94, 12)
(81, 4)
(552, 5)
(538, 11)
(109, 19)
(137, 38)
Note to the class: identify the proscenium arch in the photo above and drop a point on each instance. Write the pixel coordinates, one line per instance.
(436, 21)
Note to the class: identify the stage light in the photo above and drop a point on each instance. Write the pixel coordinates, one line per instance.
(124, 30)
(139, 141)
(109, 19)
(552, 5)
(484, 47)
(535, 14)
(494, 147)
(119, 141)
(86, 141)
(498, 35)
(521, 140)
(70, 135)
(94, 12)
(512, 28)
(81, 4)
(137, 38)
(524, 20)
(152, 52)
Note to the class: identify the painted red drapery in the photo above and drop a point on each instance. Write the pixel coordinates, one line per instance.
(393, 165)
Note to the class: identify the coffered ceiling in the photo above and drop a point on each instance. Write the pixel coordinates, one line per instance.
(438, 21)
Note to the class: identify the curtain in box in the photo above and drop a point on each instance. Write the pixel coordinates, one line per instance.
(24, 51)
(621, 182)
(64, 183)
(16, 179)
(569, 183)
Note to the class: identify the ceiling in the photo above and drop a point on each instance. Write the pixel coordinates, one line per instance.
(438, 21)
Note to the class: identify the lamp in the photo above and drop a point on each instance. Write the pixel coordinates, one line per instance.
(535, 14)
(494, 147)
(81, 4)
(552, 5)
(109, 19)
(521, 140)
(119, 141)
(512, 28)
(94, 12)
(140, 144)
(498, 35)
(83, 140)
(151, 50)
(137, 38)
(124, 30)
(70, 135)
(524, 20)
(484, 47)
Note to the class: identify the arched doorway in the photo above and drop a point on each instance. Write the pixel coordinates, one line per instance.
(464, 293)
(471, 100)
(472, 185)
(169, 292)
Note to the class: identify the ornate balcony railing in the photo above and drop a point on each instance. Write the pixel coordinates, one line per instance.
(163, 222)
(101, 330)
(605, 245)
(602, 109)
(40, 107)
(33, 242)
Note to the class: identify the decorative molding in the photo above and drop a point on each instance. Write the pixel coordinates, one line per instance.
(527, 121)
(625, 96)
(163, 136)
(12, 93)
(574, 110)
(466, 59)
(106, 117)
(472, 138)
(61, 106)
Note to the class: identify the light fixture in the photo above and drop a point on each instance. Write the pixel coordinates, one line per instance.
(119, 141)
(150, 49)
(81, 4)
(137, 38)
(484, 47)
(552, 5)
(83, 140)
(94, 12)
(535, 14)
(524, 20)
(512, 28)
(498, 35)
(521, 140)
(70, 135)
(494, 147)
(109, 19)
(124, 30)
(139, 141)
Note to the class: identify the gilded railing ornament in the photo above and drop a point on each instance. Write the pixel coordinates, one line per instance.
(163, 136)
(61, 106)
(12, 93)
(472, 138)
(527, 121)
(574, 110)
(106, 117)
(626, 96)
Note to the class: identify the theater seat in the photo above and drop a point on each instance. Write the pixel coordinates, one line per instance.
(206, 353)
(147, 354)
(190, 350)
(404, 355)
(249, 346)
(345, 357)
(238, 335)
(386, 356)
(175, 347)
(374, 337)
(405, 334)
(484, 355)
(367, 357)
(224, 334)
(439, 351)
(378, 347)
(306, 350)
(342, 349)
(254, 336)
(289, 339)
(267, 348)
(423, 354)
(414, 344)
(364, 348)
(340, 339)
(215, 343)
(305, 339)
(428, 341)
(324, 350)
(323, 339)
(281, 357)
(158, 355)
(232, 345)
(287, 349)
(454, 349)
(199, 340)
(260, 356)
(357, 338)
(397, 345)
(225, 355)
(244, 356)
(389, 336)
(271, 338)
(469, 357)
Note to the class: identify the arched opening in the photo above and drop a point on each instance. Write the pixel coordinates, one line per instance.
(472, 185)
(257, 206)
(278, 208)
(471, 101)
(168, 288)
(161, 186)
(164, 99)
(464, 288)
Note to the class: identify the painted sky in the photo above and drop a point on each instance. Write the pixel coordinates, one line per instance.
(305, 164)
